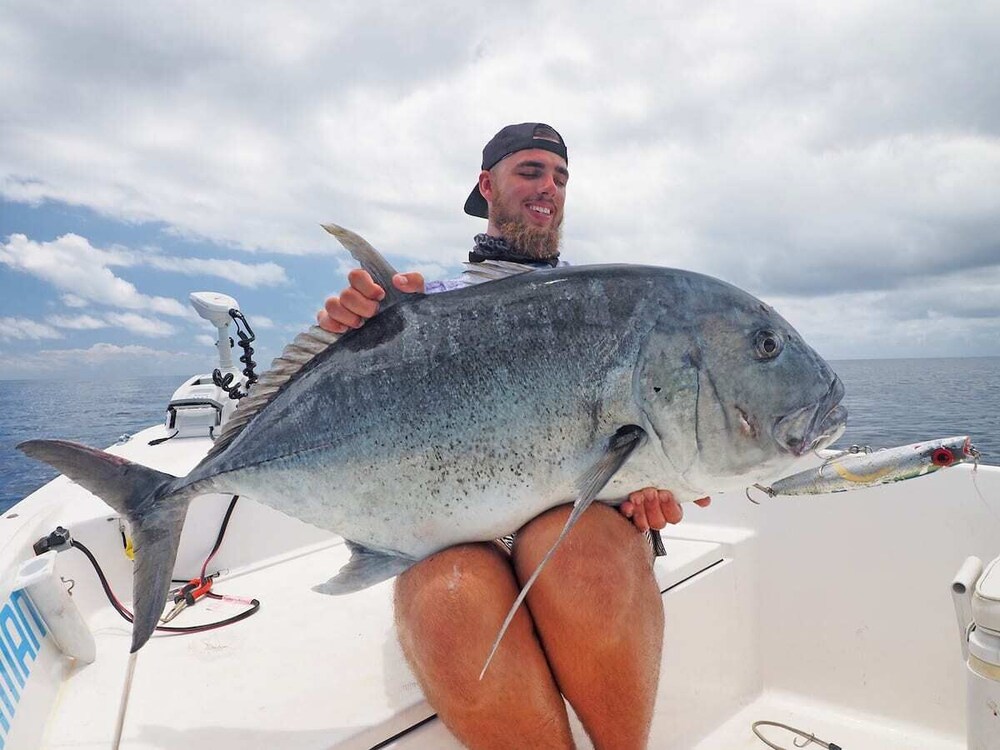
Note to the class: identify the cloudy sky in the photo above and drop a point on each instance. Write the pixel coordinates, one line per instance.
(840, 160)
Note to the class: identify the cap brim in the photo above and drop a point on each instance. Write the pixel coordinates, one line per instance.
(475, 204)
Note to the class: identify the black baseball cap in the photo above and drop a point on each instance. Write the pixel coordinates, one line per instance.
(509, 140)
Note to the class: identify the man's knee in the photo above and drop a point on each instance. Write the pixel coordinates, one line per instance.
(604, 560)
(463, 584)
(602, 545)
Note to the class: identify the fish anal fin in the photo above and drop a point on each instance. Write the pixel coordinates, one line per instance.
(619, 447)
(365, 568)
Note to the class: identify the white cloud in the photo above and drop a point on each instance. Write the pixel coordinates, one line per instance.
(795, 150)
(100, 352)
(132, 322)
(72, 265)
(101, 359)
(140, 324)
(77, 322)
(71, 300)
(24, 329)
(262, 322)
(245, 274)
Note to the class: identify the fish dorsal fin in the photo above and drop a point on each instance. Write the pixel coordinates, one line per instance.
(307, 344)
(491, 270)
(303, 349)
(619, 447)
(370, 259)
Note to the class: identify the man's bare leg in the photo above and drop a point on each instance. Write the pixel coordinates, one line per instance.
(599, 616)
(449, 609)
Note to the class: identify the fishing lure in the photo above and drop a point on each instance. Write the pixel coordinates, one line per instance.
(857, 468)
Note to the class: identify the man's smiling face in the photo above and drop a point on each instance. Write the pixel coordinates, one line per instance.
(526, 193)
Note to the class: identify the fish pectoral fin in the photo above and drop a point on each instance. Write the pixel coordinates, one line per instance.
(616, 453)
(365, 568)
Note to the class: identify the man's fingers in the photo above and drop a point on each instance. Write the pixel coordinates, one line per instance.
(329, 324)
(652, 508)
(362, 282)
(654, 515)
(356, 303)
(360, 301)
(638, 514)
(340, 316)
(412, 282)
(671, 509)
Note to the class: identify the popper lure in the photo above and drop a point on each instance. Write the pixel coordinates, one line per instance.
(854, 469)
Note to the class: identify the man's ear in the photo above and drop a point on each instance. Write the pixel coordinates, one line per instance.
(486, 185)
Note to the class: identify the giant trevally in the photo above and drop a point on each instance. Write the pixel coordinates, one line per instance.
(457, 417)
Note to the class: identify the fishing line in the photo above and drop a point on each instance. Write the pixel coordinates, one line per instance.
(979, 493)
(123, 704)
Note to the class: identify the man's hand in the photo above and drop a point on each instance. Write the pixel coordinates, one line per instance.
(359, 301)
(650, 508)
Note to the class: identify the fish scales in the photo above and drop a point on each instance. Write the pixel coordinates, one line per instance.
(470, 399)
(458, 417)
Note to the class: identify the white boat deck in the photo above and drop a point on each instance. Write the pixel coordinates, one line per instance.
(831, 614)
(848, 728)
(307, 671)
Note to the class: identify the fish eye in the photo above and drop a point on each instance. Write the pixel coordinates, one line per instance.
(767, 344)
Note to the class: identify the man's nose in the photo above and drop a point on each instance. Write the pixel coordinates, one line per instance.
(548, 186)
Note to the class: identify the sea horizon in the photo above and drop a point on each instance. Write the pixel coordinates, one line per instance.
(890, 401)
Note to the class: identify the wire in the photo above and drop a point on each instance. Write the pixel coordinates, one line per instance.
(809, 738)
(127, 615)
(222, 533)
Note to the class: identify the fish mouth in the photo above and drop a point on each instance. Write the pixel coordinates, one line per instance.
(813, 427)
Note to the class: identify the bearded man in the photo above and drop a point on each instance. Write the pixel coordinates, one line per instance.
(592, 626)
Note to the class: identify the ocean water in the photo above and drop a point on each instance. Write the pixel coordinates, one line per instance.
(92, 412)
(891, 402)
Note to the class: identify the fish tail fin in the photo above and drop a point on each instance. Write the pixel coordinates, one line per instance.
(371, 260)
(138, 493)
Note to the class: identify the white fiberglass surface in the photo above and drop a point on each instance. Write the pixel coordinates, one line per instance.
(830, 724)
(830, 613)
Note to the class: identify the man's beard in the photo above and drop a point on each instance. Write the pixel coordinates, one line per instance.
(535, 242)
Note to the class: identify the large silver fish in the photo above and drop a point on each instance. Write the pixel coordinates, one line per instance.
(456, 417)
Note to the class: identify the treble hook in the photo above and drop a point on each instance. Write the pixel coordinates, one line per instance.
(766, 490)
(974, 452)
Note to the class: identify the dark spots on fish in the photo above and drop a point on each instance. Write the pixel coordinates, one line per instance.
(381, 329)
(656, 389)
(595, 416)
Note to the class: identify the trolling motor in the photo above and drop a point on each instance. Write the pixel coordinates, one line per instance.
(204, 403)
(214, 307)
(976, 593)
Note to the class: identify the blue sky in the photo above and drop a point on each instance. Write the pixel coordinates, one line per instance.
(842, 161)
